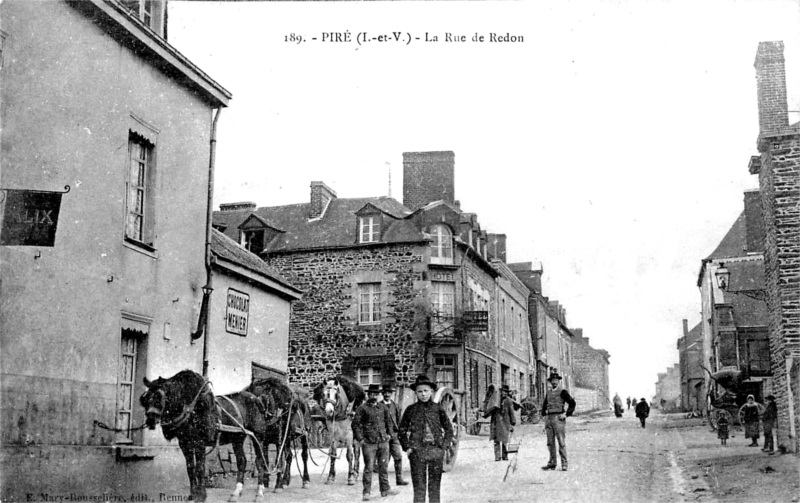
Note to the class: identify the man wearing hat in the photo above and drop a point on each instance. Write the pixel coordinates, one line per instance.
(502, 425)
(555, 420)
(768, 419)
(394, 443)
(372, 427)
(425, 433)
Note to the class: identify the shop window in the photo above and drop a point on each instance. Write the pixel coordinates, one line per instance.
(446, 370)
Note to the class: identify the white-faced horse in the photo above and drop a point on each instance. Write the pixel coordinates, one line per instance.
(339, 397)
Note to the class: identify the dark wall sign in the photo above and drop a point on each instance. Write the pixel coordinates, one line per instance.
(30, 217)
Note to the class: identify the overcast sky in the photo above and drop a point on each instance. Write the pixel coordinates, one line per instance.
(611, 145)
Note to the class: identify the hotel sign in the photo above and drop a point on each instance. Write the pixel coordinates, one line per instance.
(237, 312)
(476, 321)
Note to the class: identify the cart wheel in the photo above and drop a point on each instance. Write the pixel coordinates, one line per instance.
(529, 413)
(449, 402)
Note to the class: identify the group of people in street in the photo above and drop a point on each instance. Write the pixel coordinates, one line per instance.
(424, 432)
(753, 419)
(641, 408)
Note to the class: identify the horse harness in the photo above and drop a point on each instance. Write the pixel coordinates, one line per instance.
(188, 411)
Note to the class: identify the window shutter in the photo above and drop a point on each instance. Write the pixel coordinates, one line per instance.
(348, 367)
(388, 370)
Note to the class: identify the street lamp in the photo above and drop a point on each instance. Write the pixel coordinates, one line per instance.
(207, 290)
(723, 282)
(723, 277)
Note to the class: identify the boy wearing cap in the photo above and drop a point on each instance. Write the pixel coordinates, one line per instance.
(395, 449)
(425, 432)
(373, 428)
(555, 420)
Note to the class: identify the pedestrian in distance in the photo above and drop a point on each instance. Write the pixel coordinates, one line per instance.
(618, 405)
(555, 420)
(372, 427)
(768, 419)
(722, 429)
(642, 410)
(502, 424)
(750, 416)
(395, 449)
(425, 433)
(629, 403)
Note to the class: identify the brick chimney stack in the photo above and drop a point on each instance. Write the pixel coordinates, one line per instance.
(321, 195)
(530, 277)
(773, 110)
(685, 327)
(428, 177)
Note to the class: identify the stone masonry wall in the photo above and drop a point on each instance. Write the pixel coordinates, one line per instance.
(324, 327)
(779, 181)
(590, 369)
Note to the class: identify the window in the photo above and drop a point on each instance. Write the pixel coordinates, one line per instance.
(489, 372)
(140, 182)
(369, 229)
(147, 11)
(129, 380)
(442, 245)
(474, 384)
(445, 368)
(368, 375)
(758, 356)
(503, 319)
(441, 298)
(513, 326)
(253, 240)
(369, 303)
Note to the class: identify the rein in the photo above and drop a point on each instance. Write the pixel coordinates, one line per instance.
(188, 410)
(104, 426)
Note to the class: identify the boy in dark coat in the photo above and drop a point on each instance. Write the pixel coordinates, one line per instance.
(373, 428)
(425, 433)
(768, 419)
(503, 422)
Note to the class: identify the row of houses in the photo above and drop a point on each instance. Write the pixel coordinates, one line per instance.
(394, 289)
(748, 339)
(111, 270)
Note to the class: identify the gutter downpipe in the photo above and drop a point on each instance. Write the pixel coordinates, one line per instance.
(209, 216)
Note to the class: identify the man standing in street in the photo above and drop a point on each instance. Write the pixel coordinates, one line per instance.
(629, 403)
(425, 433)
(373, 428)
(768, 419)
(555, 420)
(503, 421)
(395, 449)
(642, 410)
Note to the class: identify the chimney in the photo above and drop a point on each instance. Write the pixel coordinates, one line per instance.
(531, 278)
(243, 206)
(685, 327)
(773, 109)
(497, 246)
(428, 177)
(321, 195)
(755, 231)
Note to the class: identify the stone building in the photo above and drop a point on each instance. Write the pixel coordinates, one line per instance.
(93, 97)
(734, 312)
(668, 390)
(778, 170)
(690, 362)
(390, 289)
(590, 370)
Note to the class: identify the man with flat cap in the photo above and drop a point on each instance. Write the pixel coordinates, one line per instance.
(555, 419)
(373, 428)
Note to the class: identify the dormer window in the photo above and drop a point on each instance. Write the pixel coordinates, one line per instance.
(369, 229)
(149, 12)
(442, 245)
(253, 240)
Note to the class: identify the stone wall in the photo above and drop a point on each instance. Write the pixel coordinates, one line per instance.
(590, 367)
(324, 327)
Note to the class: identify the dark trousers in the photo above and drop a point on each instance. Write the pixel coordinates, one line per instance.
(769, 442)
(397, 455)
(642, 419)
(426, 473)
(555, 429)
(373, 453)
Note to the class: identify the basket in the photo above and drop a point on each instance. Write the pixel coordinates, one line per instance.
(513, 446)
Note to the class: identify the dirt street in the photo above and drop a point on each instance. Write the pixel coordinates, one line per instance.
(611, 460)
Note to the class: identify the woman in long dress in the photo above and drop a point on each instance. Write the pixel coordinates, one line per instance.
(750, 417)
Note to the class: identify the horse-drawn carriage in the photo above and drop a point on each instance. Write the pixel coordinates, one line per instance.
(729, 402)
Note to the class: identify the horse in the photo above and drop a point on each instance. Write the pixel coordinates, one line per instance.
(339, 397)
(184, 404)
(294, 422)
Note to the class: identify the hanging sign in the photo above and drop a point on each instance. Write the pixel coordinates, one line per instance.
(29, 217)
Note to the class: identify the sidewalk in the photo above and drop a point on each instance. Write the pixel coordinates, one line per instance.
(733, 472)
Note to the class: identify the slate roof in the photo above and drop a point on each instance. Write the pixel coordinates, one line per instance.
(227, 249)
(746, 275)
(734, 244)
(337, 228)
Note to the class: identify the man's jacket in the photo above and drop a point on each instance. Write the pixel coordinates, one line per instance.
(394, 416)
(556, 406)
(415, 419)
(372, 423)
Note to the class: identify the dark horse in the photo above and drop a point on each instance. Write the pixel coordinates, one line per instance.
(339, 397)
(293, 423)
(184, 404)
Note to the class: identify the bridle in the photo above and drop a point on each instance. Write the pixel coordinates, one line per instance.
(186, 414)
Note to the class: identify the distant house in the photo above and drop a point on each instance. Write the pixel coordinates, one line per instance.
(94, 98)
(690, 362)
(590, 368)
(668, 390)
(393, 289)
